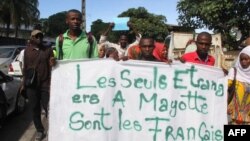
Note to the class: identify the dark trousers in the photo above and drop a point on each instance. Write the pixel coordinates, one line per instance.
(38, 97)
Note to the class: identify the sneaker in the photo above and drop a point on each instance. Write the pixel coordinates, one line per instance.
(40, 136)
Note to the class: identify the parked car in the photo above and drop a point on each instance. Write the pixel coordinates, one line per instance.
(7, 54)
(15, 68)
(11, 100)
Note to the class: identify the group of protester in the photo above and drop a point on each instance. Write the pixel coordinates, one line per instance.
(76, 44)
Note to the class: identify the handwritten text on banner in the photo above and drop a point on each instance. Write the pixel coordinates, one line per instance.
(104, 100)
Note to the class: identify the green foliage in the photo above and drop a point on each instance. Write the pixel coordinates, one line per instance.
(218, 15)
(17, 13)
(143, 21)
(55, 24)
(147, 23)
(44, 25)
(98, 27)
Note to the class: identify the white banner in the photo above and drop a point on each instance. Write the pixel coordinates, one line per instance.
(104, 100)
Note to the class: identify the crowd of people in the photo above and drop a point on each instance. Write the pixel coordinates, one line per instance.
(77, 44)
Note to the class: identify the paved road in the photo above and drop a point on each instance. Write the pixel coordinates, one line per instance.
(18, 127)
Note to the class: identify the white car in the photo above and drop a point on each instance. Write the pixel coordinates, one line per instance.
(11, 100)
(7, 54)
(15, 68)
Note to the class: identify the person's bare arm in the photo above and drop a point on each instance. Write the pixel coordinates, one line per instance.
(103, 37)
(111, 25)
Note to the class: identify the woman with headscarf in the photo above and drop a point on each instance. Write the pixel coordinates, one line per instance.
(239, 105)
(161, 52)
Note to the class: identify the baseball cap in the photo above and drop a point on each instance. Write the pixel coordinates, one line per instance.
(35, 32)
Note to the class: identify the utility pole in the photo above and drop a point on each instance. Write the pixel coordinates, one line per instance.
(84, 15)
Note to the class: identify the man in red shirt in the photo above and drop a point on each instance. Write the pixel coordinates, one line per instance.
(200, 56)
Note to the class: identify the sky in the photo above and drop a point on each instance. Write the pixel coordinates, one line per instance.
(106, 10)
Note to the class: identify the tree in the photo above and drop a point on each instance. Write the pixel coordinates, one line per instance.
(221, 16)
(44, 25)
(55, 24)
(17, 13)
(98, 27)
(147, 23)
